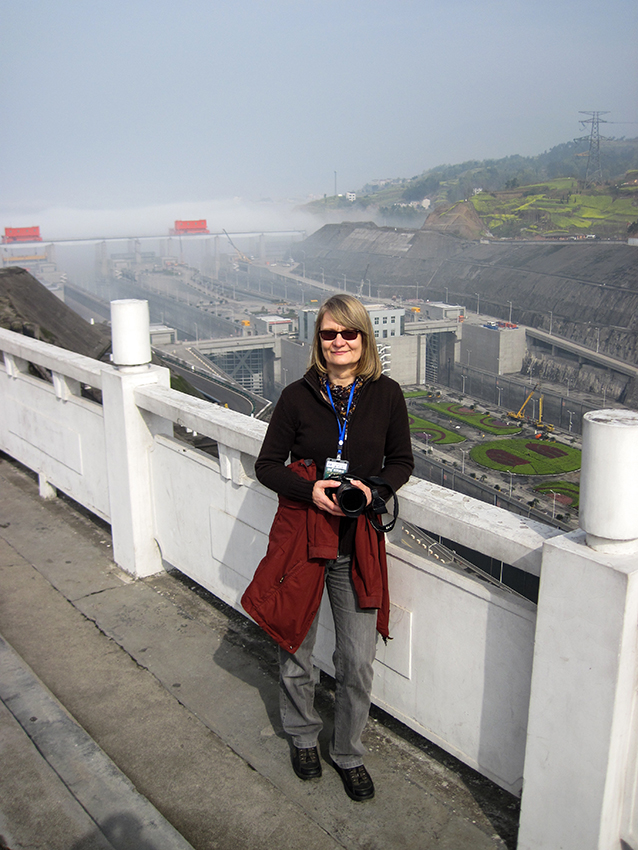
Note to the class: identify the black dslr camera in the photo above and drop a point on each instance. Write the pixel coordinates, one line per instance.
(350, 499)
(353, 501)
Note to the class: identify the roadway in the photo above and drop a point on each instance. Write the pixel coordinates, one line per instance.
(216, 389)
(583, 351)
(248, 234)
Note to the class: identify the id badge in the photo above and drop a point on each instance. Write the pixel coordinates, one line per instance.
(335, 468)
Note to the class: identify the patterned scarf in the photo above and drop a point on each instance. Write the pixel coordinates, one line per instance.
(340, 395)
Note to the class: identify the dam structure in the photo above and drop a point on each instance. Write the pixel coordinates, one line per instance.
(584, 291)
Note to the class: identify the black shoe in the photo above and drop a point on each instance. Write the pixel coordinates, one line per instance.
(357, 782)
(305, 762)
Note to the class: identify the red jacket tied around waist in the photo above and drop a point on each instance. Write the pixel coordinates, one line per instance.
(285, 593)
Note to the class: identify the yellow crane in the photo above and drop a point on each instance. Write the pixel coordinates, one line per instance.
(519, 415)
(240, 254)
(545, 426)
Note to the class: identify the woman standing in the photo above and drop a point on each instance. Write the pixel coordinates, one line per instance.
(344, 415)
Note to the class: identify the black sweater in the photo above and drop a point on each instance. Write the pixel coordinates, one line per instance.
(304, 426)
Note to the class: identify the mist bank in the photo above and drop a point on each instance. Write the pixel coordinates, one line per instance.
(231, 214)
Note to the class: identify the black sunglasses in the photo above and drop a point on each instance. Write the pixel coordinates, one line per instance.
(349, 335)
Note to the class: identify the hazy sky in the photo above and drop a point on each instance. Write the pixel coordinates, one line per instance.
(112, 105)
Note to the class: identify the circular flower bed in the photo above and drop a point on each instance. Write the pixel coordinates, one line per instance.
(527, 458)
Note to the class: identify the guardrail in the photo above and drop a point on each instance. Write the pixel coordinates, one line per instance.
(471, 666)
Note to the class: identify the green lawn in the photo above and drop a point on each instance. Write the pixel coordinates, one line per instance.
(436, 433)
(477, 419)
(527, 456)
(564, 488)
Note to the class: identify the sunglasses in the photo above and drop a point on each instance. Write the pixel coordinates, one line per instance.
(328, 336)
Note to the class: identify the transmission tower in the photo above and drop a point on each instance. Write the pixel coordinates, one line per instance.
(594, 172)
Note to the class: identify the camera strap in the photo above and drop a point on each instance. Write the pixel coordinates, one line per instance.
(378, 505)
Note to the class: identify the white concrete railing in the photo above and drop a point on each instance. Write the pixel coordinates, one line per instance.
(464, 654)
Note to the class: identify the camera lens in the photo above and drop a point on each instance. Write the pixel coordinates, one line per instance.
(351, 499)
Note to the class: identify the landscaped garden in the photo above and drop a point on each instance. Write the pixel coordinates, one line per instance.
(428, 432)
(567, 492)
(481, 420)
(527, 457)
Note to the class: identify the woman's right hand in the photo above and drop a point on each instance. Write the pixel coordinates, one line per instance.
(322, 499)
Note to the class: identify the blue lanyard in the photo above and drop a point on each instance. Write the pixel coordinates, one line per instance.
(342, 428)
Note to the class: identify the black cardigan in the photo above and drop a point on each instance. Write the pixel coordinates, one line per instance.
(304, 426)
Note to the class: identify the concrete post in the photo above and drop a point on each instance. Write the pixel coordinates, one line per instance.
(580, 788)
(609, 480)
(129, 436)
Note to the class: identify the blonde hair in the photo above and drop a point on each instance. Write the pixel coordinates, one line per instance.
(348, 312)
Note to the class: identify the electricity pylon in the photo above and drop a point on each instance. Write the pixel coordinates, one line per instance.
(594, 172)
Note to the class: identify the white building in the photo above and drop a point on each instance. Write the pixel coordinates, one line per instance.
(387, 322)
(276, 325)
(497, 347)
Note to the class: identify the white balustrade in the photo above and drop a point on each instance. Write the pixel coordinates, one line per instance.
(465, 654)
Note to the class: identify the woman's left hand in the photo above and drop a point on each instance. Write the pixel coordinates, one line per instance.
(361, 486)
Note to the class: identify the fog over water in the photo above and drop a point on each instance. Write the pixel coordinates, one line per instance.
(156, 220)
(122, 117)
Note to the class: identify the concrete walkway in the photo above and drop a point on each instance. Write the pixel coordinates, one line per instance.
(142, 715)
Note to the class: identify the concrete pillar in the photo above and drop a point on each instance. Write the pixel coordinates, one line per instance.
(129, 436)
(130, 333)
(609, 480)
(580, 778)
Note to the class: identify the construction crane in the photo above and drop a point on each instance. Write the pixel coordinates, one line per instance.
(241, 255)
(545, 426)
(519, 415)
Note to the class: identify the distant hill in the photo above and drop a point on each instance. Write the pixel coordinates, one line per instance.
(513, 196)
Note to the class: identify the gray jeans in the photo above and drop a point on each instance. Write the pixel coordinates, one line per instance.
(355, 630)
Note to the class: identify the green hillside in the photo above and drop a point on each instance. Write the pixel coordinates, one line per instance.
(558, 207)
(540, 195)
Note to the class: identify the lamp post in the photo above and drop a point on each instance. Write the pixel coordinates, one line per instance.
(469, 351)
(571, 413)
(510, 303)
(510, 474)
(500, 390)
(447, 297)
(553, 504)
(463, 452)
(550, 322)
(478, 303)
